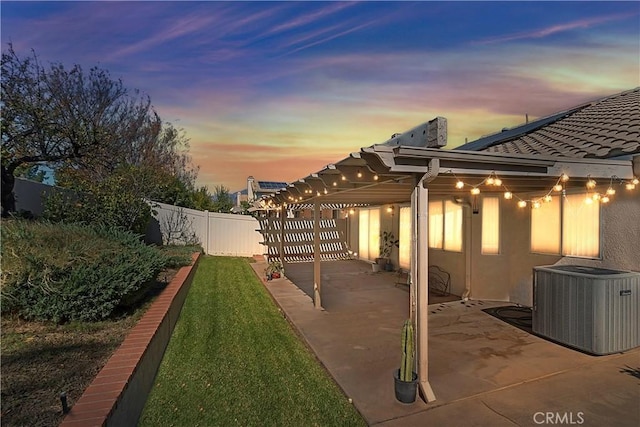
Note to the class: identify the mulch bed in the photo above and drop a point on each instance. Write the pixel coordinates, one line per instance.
(42, 360)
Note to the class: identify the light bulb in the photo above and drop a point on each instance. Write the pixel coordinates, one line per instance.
(459, 184)
(630, 186)
(536, 204)
(557, 187)
(344, 178)
(591, 184)
(588, 200)
(359, 175)
(508, 195)
(547, 198)
(605, 199)
(325, 191)
(564, 177)
(490, 181)
(497, 182)
(522, 204)
(611, 191)
(635, 181)
(475, 191)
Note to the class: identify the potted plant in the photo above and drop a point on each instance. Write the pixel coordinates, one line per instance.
(406, 379)
(387, 242)
(274, 270)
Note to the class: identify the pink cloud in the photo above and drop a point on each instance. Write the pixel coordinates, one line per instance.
(554, 29)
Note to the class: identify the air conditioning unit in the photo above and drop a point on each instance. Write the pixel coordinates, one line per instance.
(592, 309)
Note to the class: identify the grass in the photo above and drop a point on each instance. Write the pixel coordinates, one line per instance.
(234, 360)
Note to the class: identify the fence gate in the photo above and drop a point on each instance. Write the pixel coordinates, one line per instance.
(298, 239)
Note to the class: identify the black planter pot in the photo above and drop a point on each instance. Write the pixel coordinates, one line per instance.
(405, 390)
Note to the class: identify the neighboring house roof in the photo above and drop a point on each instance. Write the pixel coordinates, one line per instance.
(268, 186)
(605, 128)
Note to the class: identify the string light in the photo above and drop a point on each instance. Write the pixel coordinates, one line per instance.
(344, 178)
(335, 184)
(590, 197)
(359, 174)
(375, 177)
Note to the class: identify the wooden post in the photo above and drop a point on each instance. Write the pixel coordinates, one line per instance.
(317, 303)
(419, 208)
(283, 214)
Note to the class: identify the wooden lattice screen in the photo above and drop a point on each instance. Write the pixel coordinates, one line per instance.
(298, 239)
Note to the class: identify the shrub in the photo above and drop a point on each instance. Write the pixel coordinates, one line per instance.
(112, 202)
(65, 272)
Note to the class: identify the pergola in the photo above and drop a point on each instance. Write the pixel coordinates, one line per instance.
(408, 168)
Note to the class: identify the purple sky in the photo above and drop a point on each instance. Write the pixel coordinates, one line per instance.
(279, 89)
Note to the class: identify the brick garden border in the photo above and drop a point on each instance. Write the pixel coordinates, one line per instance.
(117, 395)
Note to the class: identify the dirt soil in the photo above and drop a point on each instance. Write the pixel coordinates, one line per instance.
(42, 360)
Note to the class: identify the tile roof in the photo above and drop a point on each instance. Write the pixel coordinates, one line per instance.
(606, 128)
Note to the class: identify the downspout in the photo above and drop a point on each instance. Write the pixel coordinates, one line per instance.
(432, 172)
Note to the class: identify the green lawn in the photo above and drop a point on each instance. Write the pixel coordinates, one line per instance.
(234, 360)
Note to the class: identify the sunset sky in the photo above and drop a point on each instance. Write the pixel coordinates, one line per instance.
(278, 90)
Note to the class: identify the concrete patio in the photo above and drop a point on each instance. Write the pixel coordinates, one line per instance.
(483, 371)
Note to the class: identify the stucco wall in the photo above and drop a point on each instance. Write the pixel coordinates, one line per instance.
(620, 225)
(509, 276)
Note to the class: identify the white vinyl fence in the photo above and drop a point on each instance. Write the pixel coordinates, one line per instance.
(218, 233)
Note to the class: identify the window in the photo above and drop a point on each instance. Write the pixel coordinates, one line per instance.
(580, 227)
(369, 233)
(490, 225)
(405, 237)
(445, 226)
(436, 223)
(570, 227)
(545, 227)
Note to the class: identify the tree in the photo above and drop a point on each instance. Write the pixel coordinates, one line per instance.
(85, 126)
(222, 201)
(117, 201)
(203, 200)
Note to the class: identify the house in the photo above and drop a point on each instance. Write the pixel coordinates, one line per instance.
(562, 189)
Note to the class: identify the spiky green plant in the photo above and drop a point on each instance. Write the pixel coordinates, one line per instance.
(406, 366)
